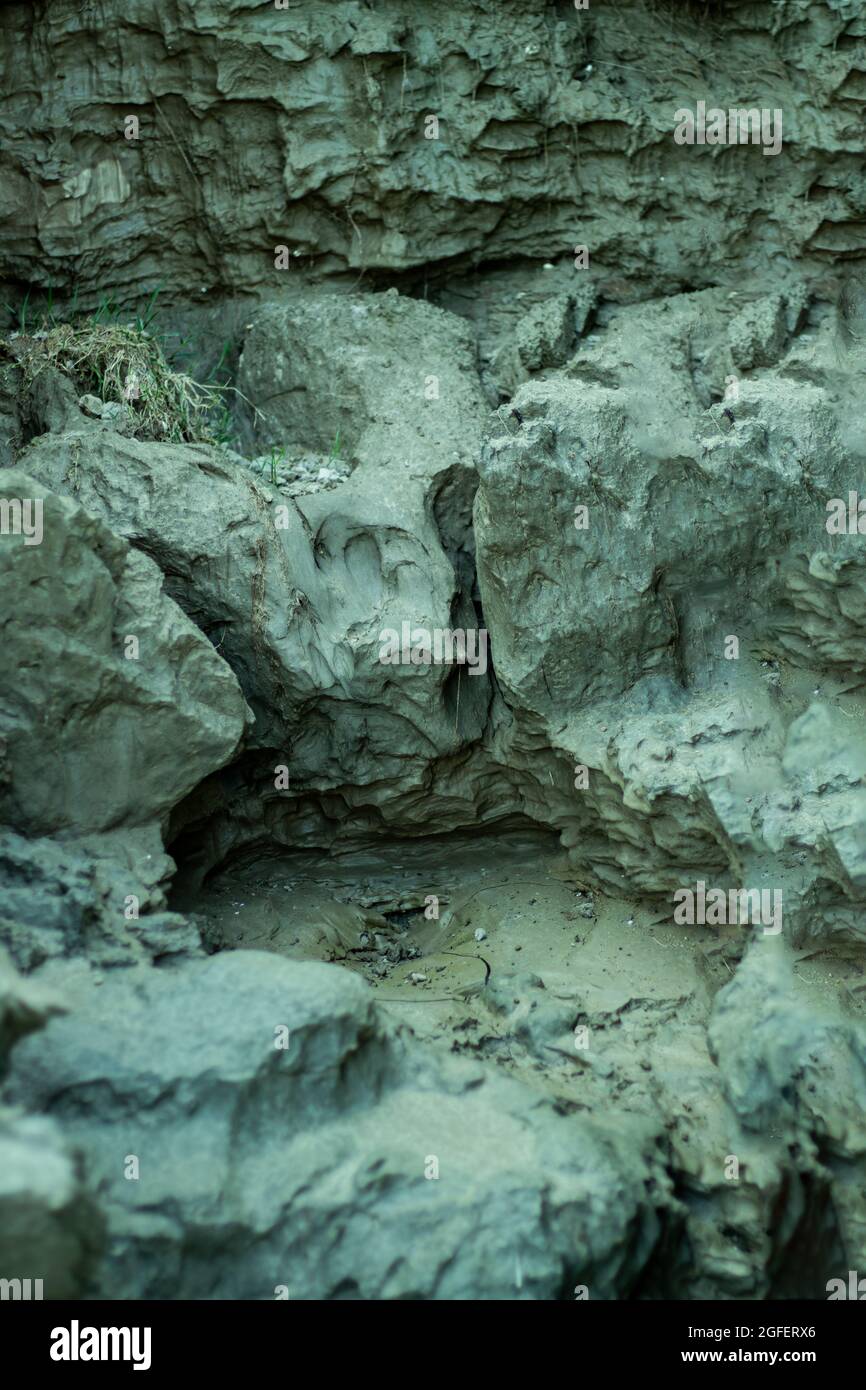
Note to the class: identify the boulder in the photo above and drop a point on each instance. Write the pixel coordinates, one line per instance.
(381, 379)
(102, 897)
(298, 594)
(114, 705)
(254, 1129)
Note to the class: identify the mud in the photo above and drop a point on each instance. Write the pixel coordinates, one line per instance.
(541, 930)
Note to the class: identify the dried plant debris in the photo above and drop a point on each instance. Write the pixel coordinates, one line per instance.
(125, 366)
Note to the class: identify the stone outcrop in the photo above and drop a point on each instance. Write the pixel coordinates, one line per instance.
(506, 358)
(114, 706)
(105, 681)
(310, 127)
(295, 593)
(663, 592)
(252, 1124)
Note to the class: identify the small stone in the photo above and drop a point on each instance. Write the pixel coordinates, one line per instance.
(91, 405)
(480, 934)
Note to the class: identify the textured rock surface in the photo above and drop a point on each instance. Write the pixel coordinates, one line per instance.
(261, 1164)
(296, 592)
(392, 379)
(92, 726)
(24, 1006)
(99, 738)
(79, 898)
(49, 1227)
(306, 127)
(675, 687)
(761, 1128)
(625, 533)
(609, 629)
(801, 1071)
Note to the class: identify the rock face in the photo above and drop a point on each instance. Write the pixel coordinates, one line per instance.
(627, 511)
(645, 563)
(801, 1072)
(607, 416)
(105, 680)
(416, 136)
(645, 559)
(392, 380)
(296, 593)
(113, 707)
(101, 897)
(49, 1227)
(310, 1136)
(794, 1067)
(756, 1096)
(24, 1006)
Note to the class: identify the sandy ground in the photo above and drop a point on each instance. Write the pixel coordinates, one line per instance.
(554, 957)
